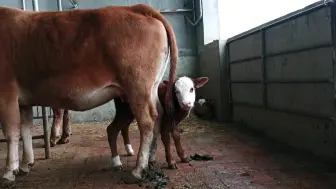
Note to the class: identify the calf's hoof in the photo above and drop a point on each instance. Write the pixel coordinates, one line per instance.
(7, 183)
(118, 167)
(63, 141)
(185, 160)
(172, 165)
(52, 143)
(130, 153)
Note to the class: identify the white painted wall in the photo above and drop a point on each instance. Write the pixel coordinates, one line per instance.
(237, 16)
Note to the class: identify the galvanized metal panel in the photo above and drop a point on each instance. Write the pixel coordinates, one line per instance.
(312, 98)
(315, 135)
(305, 31)
(247, 47)
(12, 3)
(248, 93)
(248, 70)
(307, 65)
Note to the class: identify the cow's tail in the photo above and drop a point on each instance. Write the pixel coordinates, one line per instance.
(151, 12)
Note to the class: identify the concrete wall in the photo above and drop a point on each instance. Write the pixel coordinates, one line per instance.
(213, 66)
(185, 34)
(297, 82)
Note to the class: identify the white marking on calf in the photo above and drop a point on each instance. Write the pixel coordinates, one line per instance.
(129, 149)
(116, 161)
(185, 92)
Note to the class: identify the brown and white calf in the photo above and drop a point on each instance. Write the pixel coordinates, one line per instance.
(183, 97)
(78, 60)
(61, 117)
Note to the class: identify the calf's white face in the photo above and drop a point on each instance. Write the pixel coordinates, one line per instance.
(185, 90)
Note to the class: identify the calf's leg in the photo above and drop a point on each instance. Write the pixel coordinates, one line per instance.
(179, 149)
(127, 142)
(146, 115)
(56, 125)
(122, 120)
(156, 131)
(165, 137)
(66, 128)
(26, 114)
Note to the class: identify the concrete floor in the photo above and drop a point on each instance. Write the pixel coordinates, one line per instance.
(242, 160)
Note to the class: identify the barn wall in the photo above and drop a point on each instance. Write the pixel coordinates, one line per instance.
(185, 34)
(283, 80)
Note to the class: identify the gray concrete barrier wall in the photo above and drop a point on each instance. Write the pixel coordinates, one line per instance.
(283, 79)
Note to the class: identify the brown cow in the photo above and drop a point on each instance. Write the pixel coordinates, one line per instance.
(184, 99)
(79, 60)
(60, 117)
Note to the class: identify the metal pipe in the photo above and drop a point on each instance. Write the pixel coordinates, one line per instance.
(44, 112)
(59, 5)
(24, 5)
(35, 5)
(175, 10)
(46, 133)
(194, 23)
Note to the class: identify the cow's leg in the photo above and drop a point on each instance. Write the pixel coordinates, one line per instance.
(26, 114)
(66, 128)
(127, 142)
(165, 137)
(157, 127)
(179, 149)
(122, 119)
(10, 117)
(146, 114)
(56, 125)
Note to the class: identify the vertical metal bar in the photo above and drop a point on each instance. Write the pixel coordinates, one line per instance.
(59, 5)
(35, 5)
(333, 37)
(263, 67)
(46, 133)
(44, 112)
(227, 51)
(24, 5)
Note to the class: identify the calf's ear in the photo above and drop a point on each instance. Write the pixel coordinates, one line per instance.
(200, 81)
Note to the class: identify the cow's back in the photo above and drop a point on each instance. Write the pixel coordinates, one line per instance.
(50, 50)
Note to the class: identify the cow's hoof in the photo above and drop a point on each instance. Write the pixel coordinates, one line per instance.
(118, 168)
(63, 141)
(151, 165)
(132, 178)
(7, 183)
(16, 171)
(22, 173)
(185, 160)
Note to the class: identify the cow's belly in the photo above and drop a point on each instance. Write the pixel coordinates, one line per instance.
(71, 98)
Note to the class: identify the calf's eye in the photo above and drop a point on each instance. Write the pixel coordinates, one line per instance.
(191, 90)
